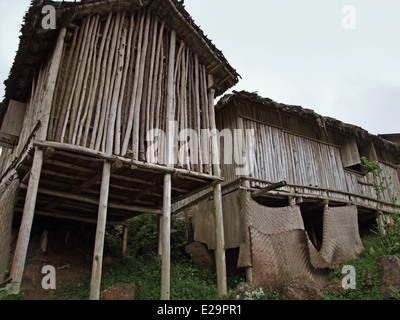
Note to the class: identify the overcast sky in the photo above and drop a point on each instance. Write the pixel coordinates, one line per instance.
(293, 51)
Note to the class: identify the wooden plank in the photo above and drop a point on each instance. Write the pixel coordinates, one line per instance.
(350, 153)
(13, 119)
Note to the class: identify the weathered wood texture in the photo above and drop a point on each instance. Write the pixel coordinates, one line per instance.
(310, 157)
(8, 197)
(112, 90)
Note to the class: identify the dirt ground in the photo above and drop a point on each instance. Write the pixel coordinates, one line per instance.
(69, 250)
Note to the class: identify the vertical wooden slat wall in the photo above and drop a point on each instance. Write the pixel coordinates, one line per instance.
(112, 90)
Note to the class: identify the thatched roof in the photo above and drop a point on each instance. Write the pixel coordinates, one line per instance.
(327, 123)
(36, 43)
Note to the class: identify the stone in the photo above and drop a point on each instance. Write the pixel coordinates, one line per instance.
(200, 255)
(301, 289)
(247, 291)
(390, 268)
(119, 292)
(335, 288)
(369, 279)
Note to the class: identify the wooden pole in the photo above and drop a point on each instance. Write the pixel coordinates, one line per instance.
(166, 240)
(21, 249)
(124, 239)
(220, 259)
(100, 233)
(166, 219)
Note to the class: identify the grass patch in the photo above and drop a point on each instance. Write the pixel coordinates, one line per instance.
(188, 282)
(142, 266)
(368, 275)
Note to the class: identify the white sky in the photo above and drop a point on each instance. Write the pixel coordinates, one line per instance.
(292, 51)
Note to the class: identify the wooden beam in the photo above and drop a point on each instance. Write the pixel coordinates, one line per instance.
(77, 190)
(100, 233)
(21, 249)
(59, 215)
(194, 192)
(271, 187)
(48, 152)
(85, 199)
(318, 205)
(138, 164)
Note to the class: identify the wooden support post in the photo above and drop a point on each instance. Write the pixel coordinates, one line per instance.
(220, 259)
(166, 218)
(21, 250)
(8, 198)
(17, 269)
(220, 241)
(166, 240)
(124, 239)
(159, 236)
(100, 233)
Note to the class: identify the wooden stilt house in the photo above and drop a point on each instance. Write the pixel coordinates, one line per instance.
(81, 103)
(304, 200)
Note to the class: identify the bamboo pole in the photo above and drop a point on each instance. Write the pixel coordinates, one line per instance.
(138, 104)
(115, 85)
(108, 88)
(87, 109)
(83, 83)
(197, 105)
(100, 233)
(98, 71)
(116, 95)
(103, 74)
(166, 219)
(49, 87)
(158, 36)
(70, 86)
(79, 77)
(132, 111)
(118, 125)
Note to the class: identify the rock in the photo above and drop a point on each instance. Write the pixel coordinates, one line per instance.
(335, 288)
(119, 292)
(390, 267)
(247, 291)
(300, 289)
(369, 279)
(200, 255)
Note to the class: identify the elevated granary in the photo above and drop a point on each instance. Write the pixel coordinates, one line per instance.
(82, 102)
